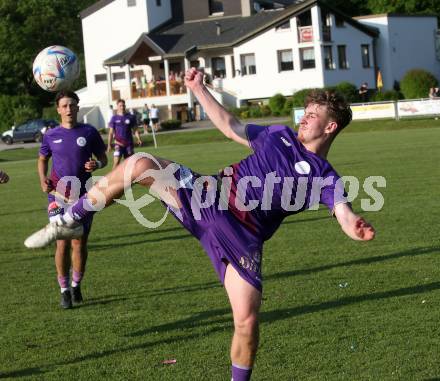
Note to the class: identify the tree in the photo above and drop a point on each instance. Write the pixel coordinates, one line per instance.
(26, 27)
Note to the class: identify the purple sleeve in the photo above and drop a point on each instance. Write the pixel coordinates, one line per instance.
(45, 147)
(334, 193)
(256, 135)
(98, 146)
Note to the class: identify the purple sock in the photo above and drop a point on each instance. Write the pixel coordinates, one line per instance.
(81, 209)
(241, 373)
(63, 281)
(76, 278)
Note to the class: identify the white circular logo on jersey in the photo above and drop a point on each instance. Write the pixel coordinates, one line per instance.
(127, 121)
(81, 141)
(302, 167)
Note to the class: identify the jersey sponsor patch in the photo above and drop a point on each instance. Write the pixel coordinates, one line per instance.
(58, 141)
(302, 167)
(81, 141)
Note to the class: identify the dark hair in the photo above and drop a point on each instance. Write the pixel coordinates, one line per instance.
(66, 94)
(120, 101)
(337, 107)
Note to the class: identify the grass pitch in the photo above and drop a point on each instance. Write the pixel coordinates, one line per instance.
(333, 309)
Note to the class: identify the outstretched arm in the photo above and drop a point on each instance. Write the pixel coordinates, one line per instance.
(352, 224)
(222, 119)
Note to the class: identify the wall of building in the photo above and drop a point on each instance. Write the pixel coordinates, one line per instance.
(352, 38)
(404, 43)
(157, 14)
(268, 80)
(112, 29)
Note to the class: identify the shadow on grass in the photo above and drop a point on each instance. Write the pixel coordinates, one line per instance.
(362, 261)
(139, 242)
(104, 353)
(143, 232)
(14, 213)
(223, 321)
(107, 299)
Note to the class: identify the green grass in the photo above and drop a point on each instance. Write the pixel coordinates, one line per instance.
(152, 295)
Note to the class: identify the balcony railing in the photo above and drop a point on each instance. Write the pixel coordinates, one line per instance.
(158, 89)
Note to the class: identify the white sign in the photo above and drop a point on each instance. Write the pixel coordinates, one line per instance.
(373, 111)
(418, 108)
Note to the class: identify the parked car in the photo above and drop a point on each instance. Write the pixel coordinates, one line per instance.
(30, 131)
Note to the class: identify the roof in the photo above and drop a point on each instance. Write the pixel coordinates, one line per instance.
(174, 40)
(392, 15)
(94, 8)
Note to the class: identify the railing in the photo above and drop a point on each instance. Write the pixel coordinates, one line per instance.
(158, 89)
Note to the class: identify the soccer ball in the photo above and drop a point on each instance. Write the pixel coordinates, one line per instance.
(55, 68)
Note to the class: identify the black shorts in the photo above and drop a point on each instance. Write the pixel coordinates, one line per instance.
(146, 121)
(155, 120)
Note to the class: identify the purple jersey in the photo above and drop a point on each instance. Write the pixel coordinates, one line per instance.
(123, 126)
(70, 149)
(280, 178)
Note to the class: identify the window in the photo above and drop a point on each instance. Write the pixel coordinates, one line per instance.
(328, 58)
(158, 3)
(339, 21)
(248, 64)
(100, 78)
(365, 50)
(284, 26)
(120, 75)
(233, 65)
(131, 3)
(215, 7)
(285, 60)
(342, 57)
(194, 63)
(218, 67)
(307, 56)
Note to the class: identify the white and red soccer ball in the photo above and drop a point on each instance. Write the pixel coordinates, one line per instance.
(55, 68)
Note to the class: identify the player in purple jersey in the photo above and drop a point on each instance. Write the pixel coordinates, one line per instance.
(71, 146)
(122, 125)
(234, 212)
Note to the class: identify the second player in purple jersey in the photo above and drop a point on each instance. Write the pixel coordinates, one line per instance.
(76, 150)
(70, 149)
(122, 126)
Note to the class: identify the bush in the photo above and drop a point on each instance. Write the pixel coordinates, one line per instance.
(171, 124)
(389, 95)
(276, 104)
(265, 110)
(299, 98)
(17, 109)
(348, 91)
(255, 112)
(288, 106)
(50, 113)
(416, 83)
(235, 111)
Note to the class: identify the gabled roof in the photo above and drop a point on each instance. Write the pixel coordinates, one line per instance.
(174, 40)
(94, 8)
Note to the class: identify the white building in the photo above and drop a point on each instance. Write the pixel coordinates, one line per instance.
(135, 49)
(405, 42)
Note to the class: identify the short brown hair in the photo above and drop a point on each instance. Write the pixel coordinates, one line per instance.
(120, 101)
(66, 94)
(337, 107)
